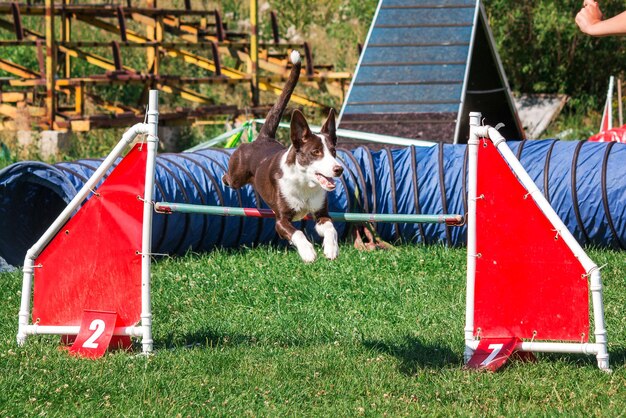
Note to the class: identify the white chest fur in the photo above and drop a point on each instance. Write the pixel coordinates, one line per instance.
(301, 197)
(301, 193)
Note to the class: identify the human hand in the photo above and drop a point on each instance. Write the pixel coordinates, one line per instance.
(588, 16)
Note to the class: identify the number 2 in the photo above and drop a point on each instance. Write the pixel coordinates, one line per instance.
(496, 349)
(97, 325)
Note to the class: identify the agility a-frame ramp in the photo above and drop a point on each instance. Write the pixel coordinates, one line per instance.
(527, 277)
(425, 65)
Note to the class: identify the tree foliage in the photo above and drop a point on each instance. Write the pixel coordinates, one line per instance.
(543, 51)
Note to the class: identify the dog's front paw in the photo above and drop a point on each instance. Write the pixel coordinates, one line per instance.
(328, 232)
(304, 247)
(331, 249)
(307, 254)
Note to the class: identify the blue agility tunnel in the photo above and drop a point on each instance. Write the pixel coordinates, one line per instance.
(584, 182)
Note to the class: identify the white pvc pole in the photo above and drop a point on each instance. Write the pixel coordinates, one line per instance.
(595, 285)
(472, 146)
(553, 347)
(75, 329)
(37, 248)
(24, 313)
(146, 239)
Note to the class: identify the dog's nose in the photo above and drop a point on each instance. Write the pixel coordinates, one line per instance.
(337, 170)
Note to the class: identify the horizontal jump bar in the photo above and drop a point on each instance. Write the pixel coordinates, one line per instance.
(165, 207)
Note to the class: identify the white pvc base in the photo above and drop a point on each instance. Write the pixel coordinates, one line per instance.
(75, 329)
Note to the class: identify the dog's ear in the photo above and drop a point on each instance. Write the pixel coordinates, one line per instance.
(329, 127)
(299, 129)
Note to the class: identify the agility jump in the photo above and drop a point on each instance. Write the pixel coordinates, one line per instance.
(92, 272)
(63, 290)
(527, 282)
(166, 207)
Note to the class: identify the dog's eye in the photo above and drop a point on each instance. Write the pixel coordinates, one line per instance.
(316, 152)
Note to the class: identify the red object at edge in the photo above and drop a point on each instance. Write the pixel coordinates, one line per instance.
(611, 135)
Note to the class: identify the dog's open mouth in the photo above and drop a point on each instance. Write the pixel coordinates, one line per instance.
(327, 183)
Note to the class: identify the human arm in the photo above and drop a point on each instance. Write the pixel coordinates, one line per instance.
(589, 20)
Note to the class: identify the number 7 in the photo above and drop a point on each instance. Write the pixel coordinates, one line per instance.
(496, 349)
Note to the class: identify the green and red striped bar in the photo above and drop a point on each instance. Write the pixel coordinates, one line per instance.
(166, 207)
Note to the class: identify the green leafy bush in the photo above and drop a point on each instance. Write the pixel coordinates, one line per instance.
(543, 50)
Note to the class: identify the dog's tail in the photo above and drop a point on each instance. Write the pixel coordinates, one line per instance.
(276, 112)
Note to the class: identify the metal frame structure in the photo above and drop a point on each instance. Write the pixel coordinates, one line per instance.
(56, 98)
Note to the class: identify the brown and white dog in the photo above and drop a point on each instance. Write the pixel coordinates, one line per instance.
(292, 181)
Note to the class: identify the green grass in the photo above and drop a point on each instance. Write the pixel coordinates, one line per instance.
(258, 333)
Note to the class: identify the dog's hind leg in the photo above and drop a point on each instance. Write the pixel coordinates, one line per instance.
(287, 231)
(233, 182)
(327, 231)
(237, 174)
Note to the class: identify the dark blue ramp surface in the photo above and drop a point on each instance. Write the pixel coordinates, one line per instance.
(425, 65)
